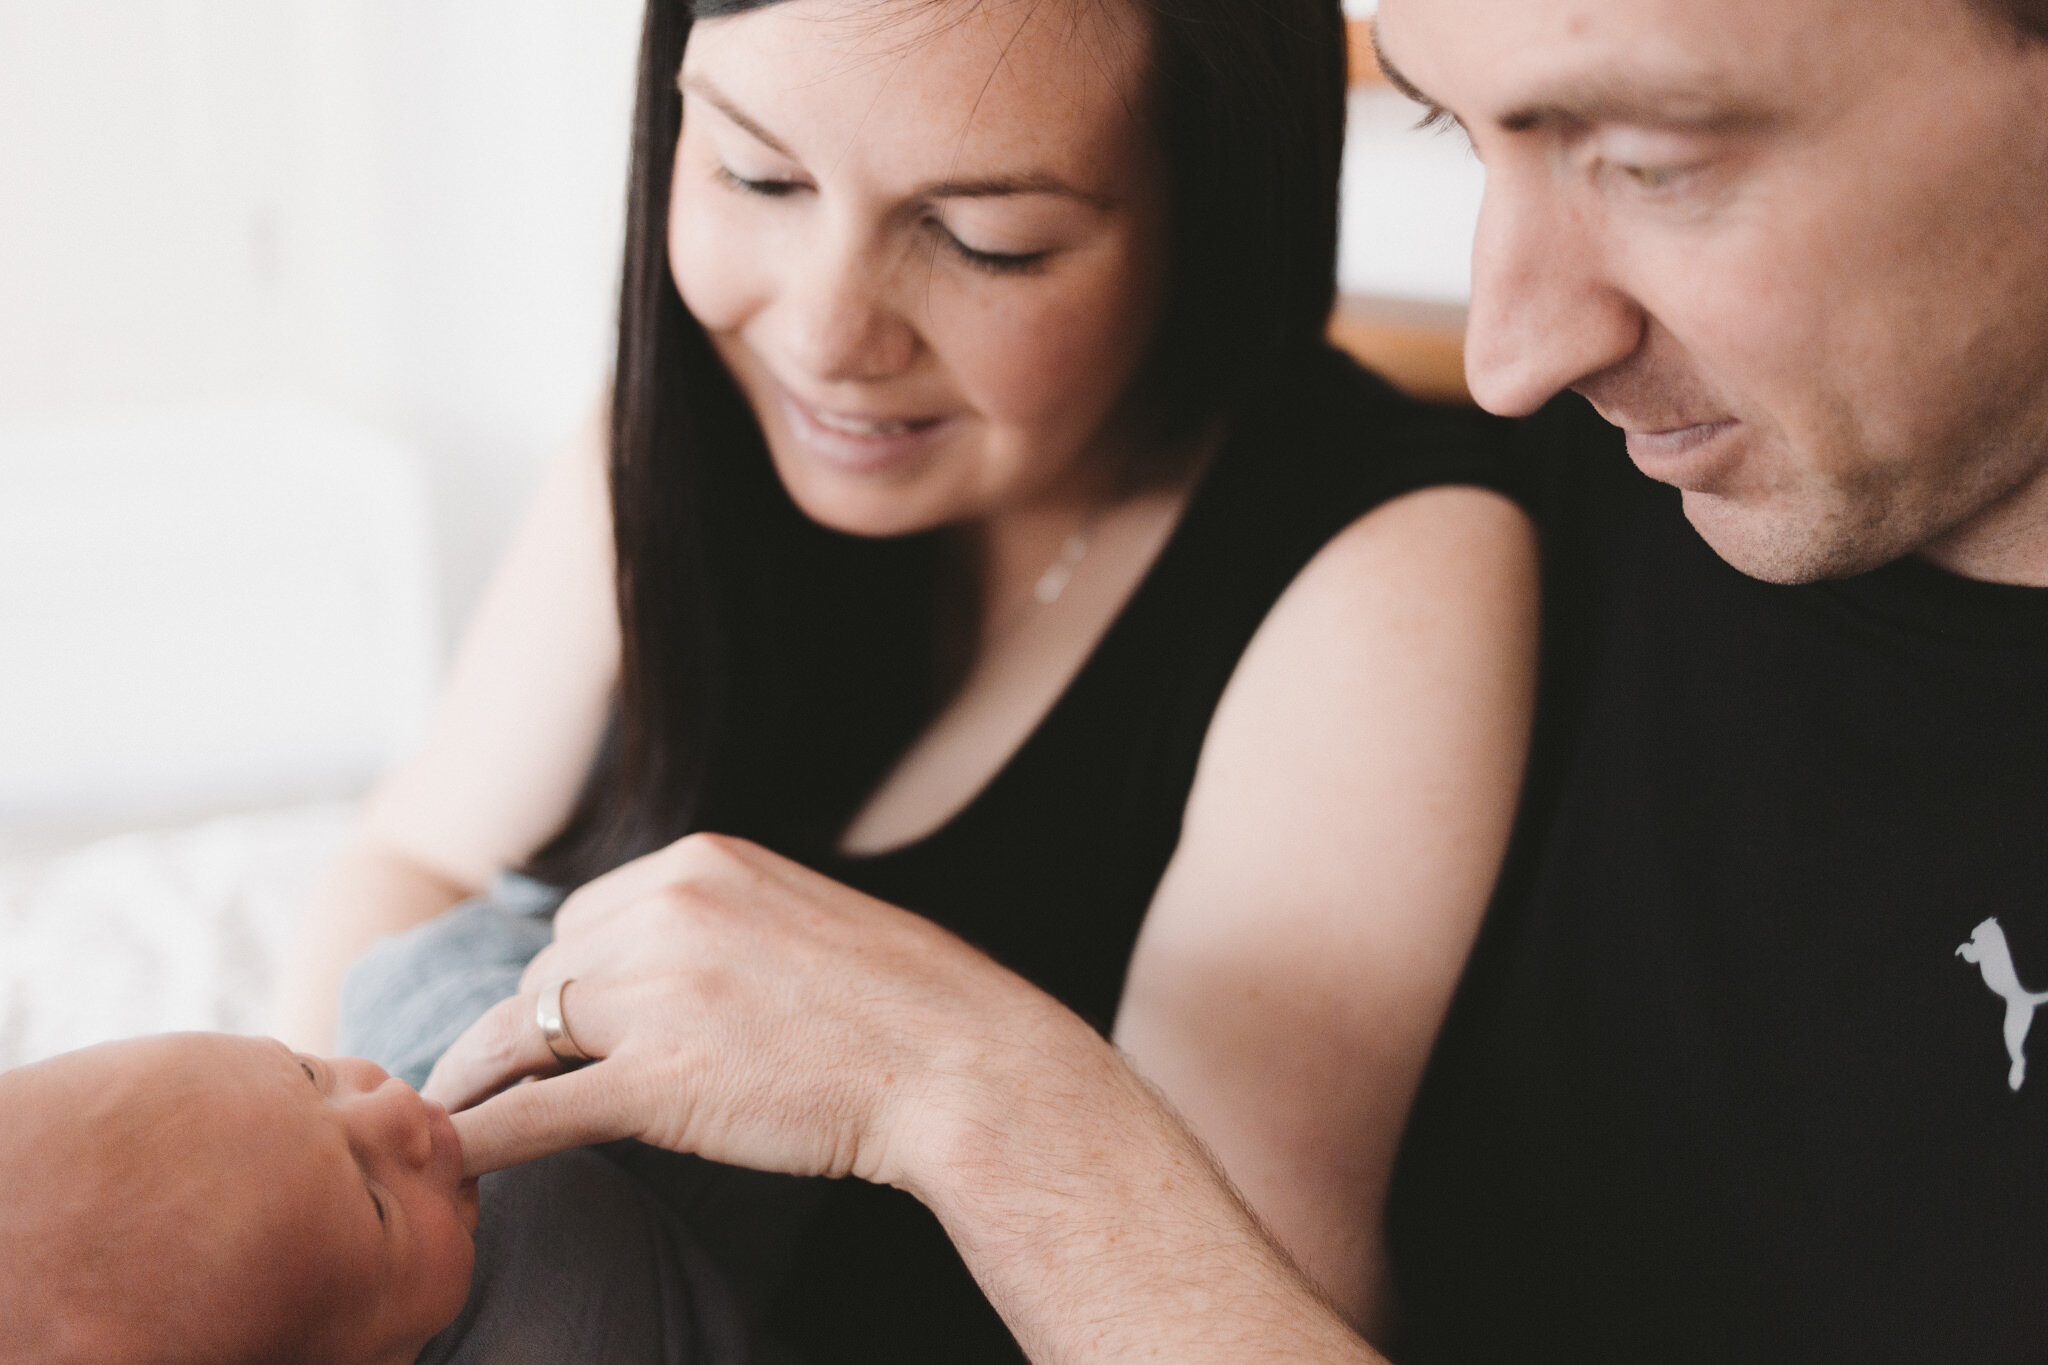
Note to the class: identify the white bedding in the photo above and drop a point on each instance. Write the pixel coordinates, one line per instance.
(156, 930)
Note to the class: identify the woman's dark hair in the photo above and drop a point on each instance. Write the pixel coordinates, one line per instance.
(2030, 15)
(773, 669)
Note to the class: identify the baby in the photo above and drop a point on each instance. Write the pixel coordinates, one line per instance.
(204, 1197)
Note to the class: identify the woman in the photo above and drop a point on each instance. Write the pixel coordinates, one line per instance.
(993, 536)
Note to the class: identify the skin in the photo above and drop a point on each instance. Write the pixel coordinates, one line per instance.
(325, 1199)
(1098, 1225)
(1787, 247)
(1794, 250)
(1353, 798)
(878, 224)
(1358, 782)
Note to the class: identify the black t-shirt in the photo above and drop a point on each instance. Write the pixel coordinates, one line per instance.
(1718, 1084)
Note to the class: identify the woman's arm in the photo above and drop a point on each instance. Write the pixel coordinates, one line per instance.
(1345, 828)
(509, 745)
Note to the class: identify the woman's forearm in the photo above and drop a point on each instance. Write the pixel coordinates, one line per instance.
(369, 891)
(1097, 1224)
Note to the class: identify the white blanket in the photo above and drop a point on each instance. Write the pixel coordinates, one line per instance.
(156, 930)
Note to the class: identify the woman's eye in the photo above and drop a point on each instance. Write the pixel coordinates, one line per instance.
(767, 189)
(994, 262)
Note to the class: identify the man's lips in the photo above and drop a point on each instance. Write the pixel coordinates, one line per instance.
(1672, 441)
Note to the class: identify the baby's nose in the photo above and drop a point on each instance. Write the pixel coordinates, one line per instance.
(401, 1122)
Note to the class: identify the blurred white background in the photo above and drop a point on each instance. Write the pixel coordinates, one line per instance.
(296, 299)
(401, 211)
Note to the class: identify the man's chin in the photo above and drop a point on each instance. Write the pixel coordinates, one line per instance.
(1782, 545)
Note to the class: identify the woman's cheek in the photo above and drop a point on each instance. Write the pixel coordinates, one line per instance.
(1062, 360)
(714, 260)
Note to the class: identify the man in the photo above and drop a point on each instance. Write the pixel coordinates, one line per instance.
(1719, 1085)
(1738, 1068)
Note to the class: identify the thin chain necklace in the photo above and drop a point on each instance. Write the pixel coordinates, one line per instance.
(1060, 572)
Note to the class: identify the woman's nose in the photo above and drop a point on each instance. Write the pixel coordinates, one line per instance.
(843, 325)
(1544, 315)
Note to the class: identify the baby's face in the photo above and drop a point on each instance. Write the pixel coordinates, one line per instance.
(390, 1195)
(315, 1207)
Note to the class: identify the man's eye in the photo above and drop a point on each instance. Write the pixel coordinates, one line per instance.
(767, 189)
(1653, 177)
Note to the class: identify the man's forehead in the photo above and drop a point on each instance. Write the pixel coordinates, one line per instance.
(1658, 62)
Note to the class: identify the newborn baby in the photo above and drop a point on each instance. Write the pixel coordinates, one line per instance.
(204, 1197)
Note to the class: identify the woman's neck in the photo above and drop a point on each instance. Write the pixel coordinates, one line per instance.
(1024, 557)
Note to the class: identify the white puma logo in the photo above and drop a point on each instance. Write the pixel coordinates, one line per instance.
(1987, 948)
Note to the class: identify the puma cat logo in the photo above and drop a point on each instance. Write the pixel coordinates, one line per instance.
(1987, 948)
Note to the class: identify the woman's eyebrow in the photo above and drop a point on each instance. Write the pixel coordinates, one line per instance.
(1432, 111)
(987, 187)
(1003, 186)
(711, 94)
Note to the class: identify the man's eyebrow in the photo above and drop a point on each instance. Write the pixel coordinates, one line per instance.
(1650, 104)
(718, 101)
(1658, 104)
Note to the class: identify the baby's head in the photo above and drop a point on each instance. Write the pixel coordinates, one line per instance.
(204, 1197)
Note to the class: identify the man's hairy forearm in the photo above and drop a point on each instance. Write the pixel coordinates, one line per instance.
(1097, 1224)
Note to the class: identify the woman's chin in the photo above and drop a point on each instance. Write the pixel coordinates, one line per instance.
(865, 505)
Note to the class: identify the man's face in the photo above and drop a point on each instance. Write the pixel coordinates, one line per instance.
(1798, 249)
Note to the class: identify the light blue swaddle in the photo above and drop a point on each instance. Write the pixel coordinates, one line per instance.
(408, 998)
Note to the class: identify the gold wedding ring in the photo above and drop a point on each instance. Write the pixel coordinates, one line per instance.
(554, 1029)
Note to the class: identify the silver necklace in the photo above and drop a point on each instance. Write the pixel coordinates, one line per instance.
(1060, 572)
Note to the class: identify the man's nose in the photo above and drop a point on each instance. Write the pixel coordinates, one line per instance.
(844, 325)
(1544, 315)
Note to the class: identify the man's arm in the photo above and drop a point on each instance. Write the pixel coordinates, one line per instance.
(1098, 1226)
(752, 1011)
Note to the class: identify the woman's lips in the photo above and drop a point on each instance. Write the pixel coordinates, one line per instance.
(859, 443)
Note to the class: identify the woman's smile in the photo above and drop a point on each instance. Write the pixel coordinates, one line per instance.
(941, 320)
(861, 443)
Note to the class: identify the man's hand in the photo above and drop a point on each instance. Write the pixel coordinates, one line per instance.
(746, 1009)
(751, 1011)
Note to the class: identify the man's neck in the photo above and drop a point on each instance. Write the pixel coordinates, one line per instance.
(2006, 542)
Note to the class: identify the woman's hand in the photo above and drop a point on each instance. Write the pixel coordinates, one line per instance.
(746, 1009)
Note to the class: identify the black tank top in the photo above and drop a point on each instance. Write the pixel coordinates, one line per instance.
(1051, 867)
(1727, 1078)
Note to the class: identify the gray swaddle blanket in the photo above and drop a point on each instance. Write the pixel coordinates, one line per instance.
(408, 998)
